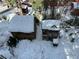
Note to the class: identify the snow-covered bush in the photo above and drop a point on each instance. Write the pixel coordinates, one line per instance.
(12, 42)
(55, 42)
(2, 57)
(62, 33)
(4, 37)
(73, 22)
(5, 53)
(73, 37)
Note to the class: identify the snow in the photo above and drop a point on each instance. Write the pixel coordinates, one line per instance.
(5, 52)
(10, 12)
(3, 25)
(10, 16)
(47, 24)
(16, 23)
(55, 41)
(30, 11)
(41, 49)
(24, 6)
(2, 8)
(21, 24)
(38, 50)
(48, 11)
(4, 37)
(4, 49)
(76, 5)
(64, 12)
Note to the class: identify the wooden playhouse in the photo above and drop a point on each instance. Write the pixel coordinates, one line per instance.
(23, 27)
(50, 29)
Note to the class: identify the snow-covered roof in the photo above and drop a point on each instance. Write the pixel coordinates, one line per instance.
(76, 5)
(22, 24)
(17, 23)
(3, 25)
(47, 24)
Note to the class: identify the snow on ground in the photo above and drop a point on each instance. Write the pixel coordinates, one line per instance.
(2, 8)
(5, 53)
(39, 50)
(71, 49)
(4, 36)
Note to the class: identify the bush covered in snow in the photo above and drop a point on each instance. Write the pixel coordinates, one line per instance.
(4, 37)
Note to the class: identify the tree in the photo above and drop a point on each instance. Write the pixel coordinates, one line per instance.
(10, 3)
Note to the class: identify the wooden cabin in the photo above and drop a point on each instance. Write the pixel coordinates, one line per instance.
(50, 29)
(23, 27)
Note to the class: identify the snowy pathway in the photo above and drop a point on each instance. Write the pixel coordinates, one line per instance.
(69, 51)
(39, 32)
(39, 50)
